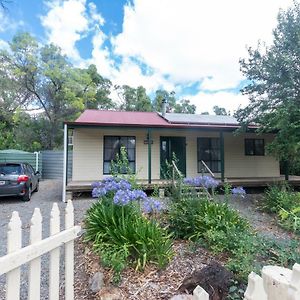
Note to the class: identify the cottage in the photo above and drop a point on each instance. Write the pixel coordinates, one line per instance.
(200, 142)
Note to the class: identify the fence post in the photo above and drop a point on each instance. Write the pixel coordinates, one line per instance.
(35, 265)
(276, 281)
(69, 254)
(14, 243)
(294, 288)
(200, 294)
(54, 255)
(255, 289)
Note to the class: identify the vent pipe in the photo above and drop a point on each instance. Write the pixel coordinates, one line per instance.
(164, 107)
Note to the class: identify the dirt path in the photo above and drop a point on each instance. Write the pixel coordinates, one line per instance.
(263, 223)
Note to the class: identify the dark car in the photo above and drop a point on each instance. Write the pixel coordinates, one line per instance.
(18, 179)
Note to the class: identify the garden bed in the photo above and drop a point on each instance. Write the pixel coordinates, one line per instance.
(152, 283)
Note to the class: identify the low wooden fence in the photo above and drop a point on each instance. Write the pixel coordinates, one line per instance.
(16, 256)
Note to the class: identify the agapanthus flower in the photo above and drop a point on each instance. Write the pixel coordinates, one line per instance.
(109, 184)
(151, 205)
(205, 181)
(238, 191)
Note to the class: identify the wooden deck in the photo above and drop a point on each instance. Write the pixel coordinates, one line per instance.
(86, 186)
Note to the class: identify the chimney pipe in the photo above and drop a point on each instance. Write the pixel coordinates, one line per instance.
(164, 107)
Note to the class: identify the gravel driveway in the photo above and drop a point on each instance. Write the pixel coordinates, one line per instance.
(50, 192)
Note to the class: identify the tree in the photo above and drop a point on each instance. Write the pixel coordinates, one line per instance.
(273, 74)
(42, 78)
(220, 111)
(173, 105)
(134, 99)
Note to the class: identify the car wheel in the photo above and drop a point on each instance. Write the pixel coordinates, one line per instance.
(37, 186)
(27, 195)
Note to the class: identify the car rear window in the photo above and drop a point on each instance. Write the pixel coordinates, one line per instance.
(10, 169)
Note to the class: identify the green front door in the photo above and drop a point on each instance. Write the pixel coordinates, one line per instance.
(171, 146)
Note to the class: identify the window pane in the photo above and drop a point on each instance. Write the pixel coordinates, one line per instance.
(216, 154)
(131, 154)
(123, 141)
(259, 147)
(106, 167)
(215, 143)
(132, 166)
(203, 143)
(131, 143)
(108, 154)
(249, 149)
(216, 166)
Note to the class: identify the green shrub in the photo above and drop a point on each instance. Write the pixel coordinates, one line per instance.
(218, 226)
(283, 201)
(280, 196)
(122, 235)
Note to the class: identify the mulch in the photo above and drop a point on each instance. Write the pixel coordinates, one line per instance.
(150, 284)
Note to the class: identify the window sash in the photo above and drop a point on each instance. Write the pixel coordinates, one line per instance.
(209, 150)
(111, 148)
(254, 147)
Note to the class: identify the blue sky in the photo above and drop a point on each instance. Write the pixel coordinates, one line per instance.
(191, 47)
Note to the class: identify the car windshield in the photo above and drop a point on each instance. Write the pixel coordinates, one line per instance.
(10, 169)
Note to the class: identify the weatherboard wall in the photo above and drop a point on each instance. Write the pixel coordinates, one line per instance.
(88, 153)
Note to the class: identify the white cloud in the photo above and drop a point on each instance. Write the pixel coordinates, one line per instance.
(187, 40)
(196, 39)
(8, 24)
(4, 45)
(205, 101)
(67, 22)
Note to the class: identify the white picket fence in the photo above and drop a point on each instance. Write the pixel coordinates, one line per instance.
(276, 283)
(16, 256)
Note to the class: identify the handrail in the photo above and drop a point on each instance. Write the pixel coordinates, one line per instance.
(208, 169)
(176, 169)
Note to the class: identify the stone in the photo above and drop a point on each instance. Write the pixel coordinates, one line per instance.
(96, 282)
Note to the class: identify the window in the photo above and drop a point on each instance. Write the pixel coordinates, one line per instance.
(254, 147)
(112, 147)
(208, 150)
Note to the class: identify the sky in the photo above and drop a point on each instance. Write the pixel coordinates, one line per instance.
(191, 47)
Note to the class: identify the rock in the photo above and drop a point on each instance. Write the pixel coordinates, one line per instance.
(213, 278)
(96, 282)
(183, 297)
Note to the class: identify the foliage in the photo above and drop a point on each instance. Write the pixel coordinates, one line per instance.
(273, 86)
(121, 168)
(119, 230)
(121, 235)
(220, 111)
(196, 218)
(283, 201)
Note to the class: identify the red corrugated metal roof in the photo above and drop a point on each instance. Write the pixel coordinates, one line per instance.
(109, 117)
(93, 117)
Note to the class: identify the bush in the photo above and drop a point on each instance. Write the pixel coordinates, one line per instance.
(120, 233)
(283, 201)
(218, 226)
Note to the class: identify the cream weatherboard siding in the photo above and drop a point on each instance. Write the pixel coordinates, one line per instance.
(88, 153)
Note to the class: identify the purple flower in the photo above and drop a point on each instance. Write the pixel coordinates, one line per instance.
(238, 191)
(205, 181)
(151, 205)
(122, 197)
(109, 184)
